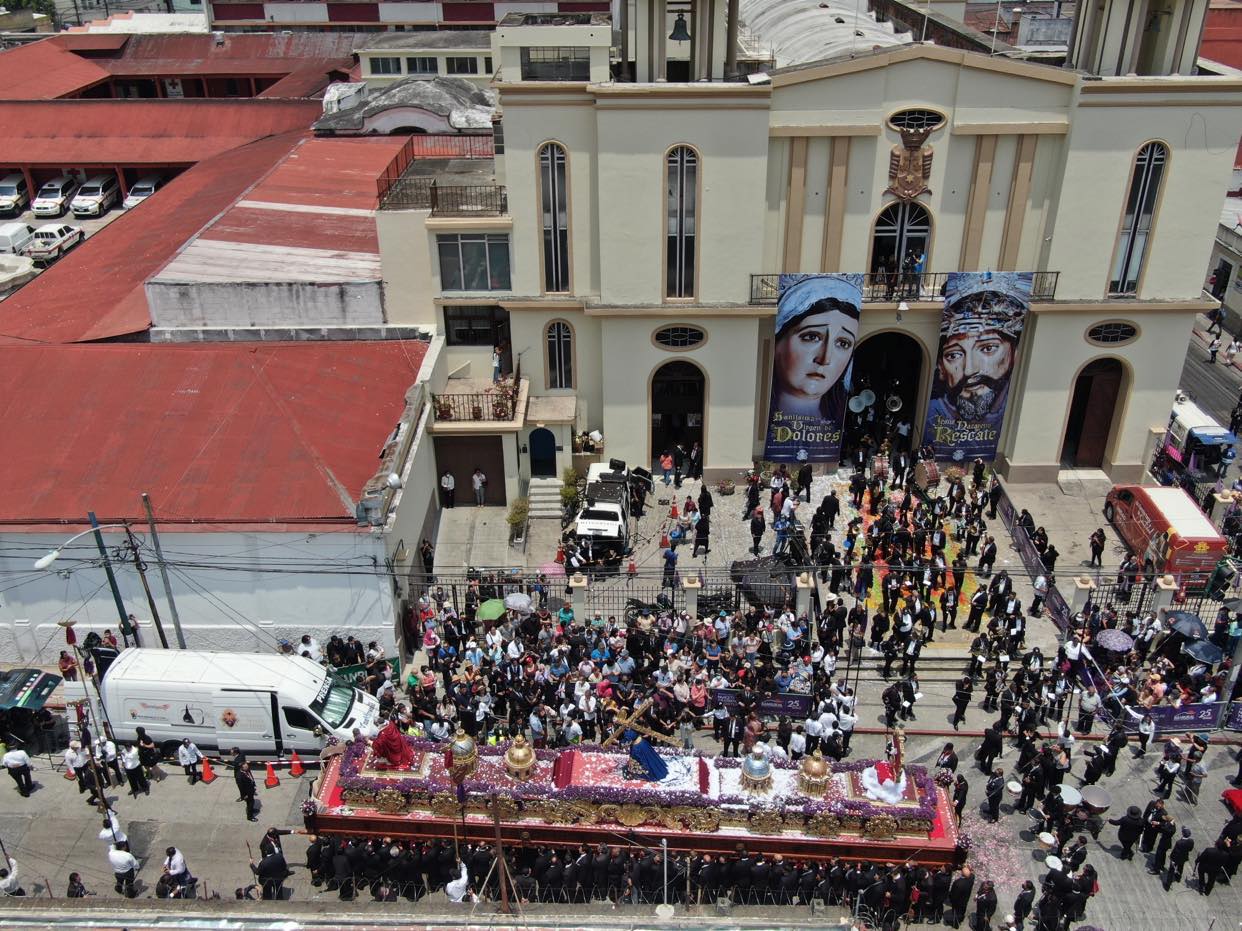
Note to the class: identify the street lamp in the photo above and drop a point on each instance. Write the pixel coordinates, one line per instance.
(47, 560)
(44, 561)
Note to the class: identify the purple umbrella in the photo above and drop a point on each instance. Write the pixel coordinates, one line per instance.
(1116, 640)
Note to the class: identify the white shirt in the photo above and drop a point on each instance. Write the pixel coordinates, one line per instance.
(15, 758)
(447, 482)
(478, 480)
(131, 758)
(75, 759)
(122, 860)
(9, 884)
(106, 834)
(797, 742)
(188, 755)
(457, 888)
(105, 749)
(175, 863)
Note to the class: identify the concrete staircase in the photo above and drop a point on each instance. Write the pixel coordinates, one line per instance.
(545, 498)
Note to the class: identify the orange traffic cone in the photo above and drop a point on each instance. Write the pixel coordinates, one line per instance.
(70, 774)
(295, 768)
(672, 512)
(271, 781)
(208, 776)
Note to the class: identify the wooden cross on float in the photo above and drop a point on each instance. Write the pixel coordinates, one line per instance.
(632, 724)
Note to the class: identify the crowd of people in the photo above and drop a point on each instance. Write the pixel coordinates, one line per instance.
(904, 570)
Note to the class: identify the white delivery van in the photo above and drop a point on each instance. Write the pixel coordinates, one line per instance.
(14, 237)
(258, 702)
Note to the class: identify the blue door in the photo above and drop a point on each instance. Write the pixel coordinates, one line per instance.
(542, 453)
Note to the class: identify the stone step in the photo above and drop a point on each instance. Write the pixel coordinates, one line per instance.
(542, 513)
(554, 483)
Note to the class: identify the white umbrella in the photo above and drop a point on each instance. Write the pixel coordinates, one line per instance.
(518, 602)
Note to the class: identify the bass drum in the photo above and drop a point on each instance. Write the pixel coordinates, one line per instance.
(927, 474)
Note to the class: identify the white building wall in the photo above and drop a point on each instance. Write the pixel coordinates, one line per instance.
(243, 608)
(298, 12)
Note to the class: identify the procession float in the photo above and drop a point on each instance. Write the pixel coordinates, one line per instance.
(397, 786)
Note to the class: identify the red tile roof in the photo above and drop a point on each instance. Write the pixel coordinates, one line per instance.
(265, 436)
(331, 172)
(112, 267)
(140, 132)
(44, 70)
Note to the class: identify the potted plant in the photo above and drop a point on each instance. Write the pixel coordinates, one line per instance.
(501, 409)
(444, 410)
(726, 486)
(519, 511)
(476, 412)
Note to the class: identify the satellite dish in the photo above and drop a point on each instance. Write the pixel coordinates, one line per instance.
(857, 405)
(867, 396)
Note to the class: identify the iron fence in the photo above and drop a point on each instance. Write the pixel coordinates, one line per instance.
(878, 286)
(433, 145)
(481, 405)
(446, 200)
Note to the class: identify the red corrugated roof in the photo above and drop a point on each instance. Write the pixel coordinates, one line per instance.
(96, 291)
(296, 230)
(242, 435)
(44, 70)
(93, 41)
(331, 172)
(140, 132)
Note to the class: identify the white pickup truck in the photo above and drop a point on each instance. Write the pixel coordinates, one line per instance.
(52, 241)
(605, 513)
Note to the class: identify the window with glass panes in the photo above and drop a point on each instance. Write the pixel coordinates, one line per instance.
(474, 261)
(556, 64)
(423, 64)
(554, 205)
(560, 355)
(385, 65)
(1136, 222)
(458, 65)
(681, 176)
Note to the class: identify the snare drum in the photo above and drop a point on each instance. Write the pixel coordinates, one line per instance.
(1014, 787)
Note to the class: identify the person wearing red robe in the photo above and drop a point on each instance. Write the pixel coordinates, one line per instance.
(391, 744)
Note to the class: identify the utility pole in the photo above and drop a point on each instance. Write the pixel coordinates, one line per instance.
(501, 868)
(116, 592)
(159, 558)
(142, 574)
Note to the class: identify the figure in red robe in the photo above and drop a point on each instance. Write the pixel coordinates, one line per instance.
(391, 745)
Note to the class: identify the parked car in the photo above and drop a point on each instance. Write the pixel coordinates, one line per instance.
(96, 196)
(14, 194)
(14, 237)
(53, 198)
(52, 241)
(141, 190)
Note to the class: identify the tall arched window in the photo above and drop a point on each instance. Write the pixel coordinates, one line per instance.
(1140, 208)
(682, 177)
(560, 355)
(902, 232)
(554, 195)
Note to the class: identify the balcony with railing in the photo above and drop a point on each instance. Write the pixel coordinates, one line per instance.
(446, 200)
(880, 288)
(466, 404)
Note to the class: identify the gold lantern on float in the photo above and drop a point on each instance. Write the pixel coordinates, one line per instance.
(519, 759)
(465, 755)
(756, 773)
(814, 775)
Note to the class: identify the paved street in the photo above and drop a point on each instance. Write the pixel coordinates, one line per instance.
(55, 832)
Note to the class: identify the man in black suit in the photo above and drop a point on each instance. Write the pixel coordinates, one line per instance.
(959, 896)
(246, 789)
(1129, 829)
(1177, 858)
(995, 789)
(993, 744)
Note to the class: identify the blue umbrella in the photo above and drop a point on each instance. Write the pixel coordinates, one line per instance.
(1204, 651)
(1189, 624)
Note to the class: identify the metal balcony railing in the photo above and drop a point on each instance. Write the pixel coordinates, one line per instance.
(928, 286)
(447, 200)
